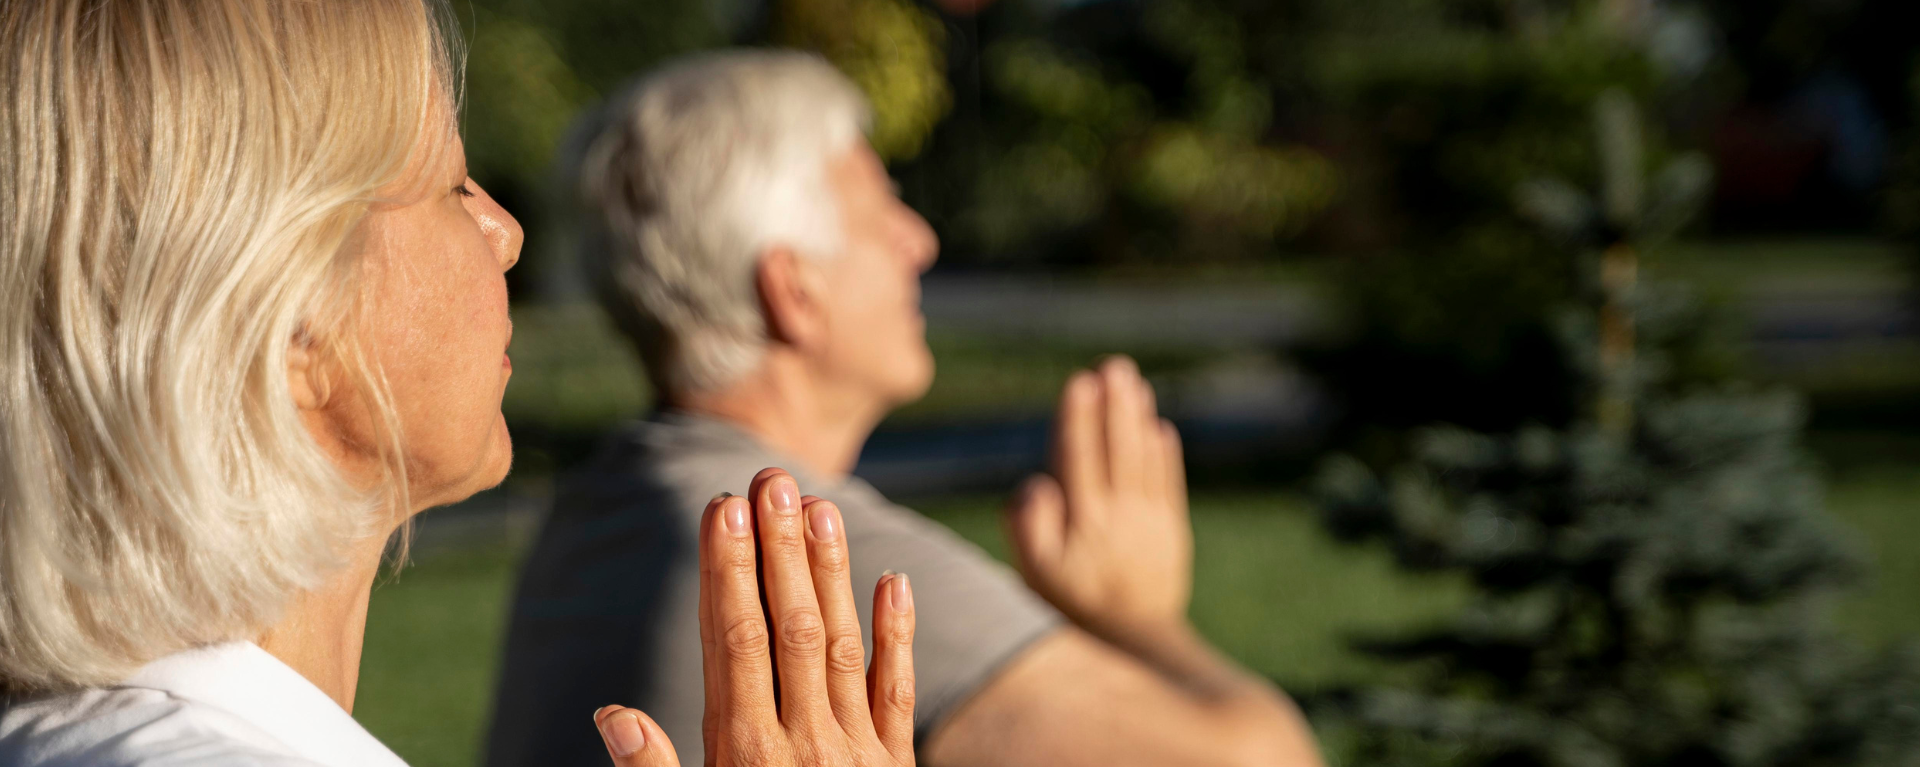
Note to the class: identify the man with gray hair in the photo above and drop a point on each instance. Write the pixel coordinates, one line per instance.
(752, 246)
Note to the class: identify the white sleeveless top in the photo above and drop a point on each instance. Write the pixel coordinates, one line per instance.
(229, 705)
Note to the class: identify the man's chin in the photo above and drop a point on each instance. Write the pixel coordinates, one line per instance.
(922, 382)
(910, 390)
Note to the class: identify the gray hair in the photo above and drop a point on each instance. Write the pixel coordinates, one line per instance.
(690, 175)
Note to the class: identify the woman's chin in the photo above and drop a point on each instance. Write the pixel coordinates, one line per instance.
(499, 458)
(487, 473)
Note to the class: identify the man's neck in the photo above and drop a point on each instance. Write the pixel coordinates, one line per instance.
(322, 631)
(795, 415)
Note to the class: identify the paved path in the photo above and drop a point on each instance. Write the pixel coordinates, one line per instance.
(1224, 316)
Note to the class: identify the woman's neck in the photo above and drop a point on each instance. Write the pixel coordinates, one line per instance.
(322, 631)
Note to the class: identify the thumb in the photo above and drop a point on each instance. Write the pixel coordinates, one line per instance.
(633, 739)
(1037, 522)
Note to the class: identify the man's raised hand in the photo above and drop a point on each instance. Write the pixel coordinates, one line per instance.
(1105, 536)
(803, 639)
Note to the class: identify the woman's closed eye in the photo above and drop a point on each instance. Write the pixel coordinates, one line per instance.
(463, 190)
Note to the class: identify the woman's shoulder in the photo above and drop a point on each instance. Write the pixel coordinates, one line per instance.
(130, 727)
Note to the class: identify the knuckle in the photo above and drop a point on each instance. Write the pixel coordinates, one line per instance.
(846, 656)
(900, 694)
(804, 632)
(819, 751)
(831, 559)
(901, 632)
(745, 639)
(740, 568)
(753, 745)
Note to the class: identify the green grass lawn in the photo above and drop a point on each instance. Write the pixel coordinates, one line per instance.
(1270, 588)
(433, 641)
(1883, 506)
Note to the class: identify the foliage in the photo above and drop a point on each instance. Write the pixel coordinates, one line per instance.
(1451, 285)
(1657, 602)
(1118, 132)
(1653, 581)
(1903, 193)
(521, 95)
(891, 48)
(533, 65)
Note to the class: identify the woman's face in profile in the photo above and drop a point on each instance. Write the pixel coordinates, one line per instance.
(433, 272)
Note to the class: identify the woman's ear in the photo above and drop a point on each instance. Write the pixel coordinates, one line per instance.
(792, 297)
(305, 379)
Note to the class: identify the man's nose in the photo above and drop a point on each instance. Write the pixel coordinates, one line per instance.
(918, 243)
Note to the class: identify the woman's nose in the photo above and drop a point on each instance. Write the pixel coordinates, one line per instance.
(502, 231)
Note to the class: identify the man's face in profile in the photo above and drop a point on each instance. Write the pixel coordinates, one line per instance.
(877, 336)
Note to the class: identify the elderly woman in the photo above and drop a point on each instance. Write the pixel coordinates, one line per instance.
(252, 320)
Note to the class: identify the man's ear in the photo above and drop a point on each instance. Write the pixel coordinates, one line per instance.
(792, 297)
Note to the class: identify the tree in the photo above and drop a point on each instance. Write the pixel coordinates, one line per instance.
(1125, 131)
(1651, 582)
(1903, 195)
(1443, 106)
(893, 49)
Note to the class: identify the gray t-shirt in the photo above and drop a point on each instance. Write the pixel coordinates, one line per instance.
(607, 610)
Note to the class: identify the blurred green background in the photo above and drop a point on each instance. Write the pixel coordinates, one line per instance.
(1298, 214)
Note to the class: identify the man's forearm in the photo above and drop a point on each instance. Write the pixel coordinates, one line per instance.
(1180, 654)
(1250, 709)
(1075, 700)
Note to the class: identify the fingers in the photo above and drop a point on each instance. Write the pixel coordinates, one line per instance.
(1153, 445)
(735, 633)
(1037, 522)
(846, 662)
(633, 739)
(1079, 442)
(799, 631)
(1120, 411)
(813, 623)
(890, 682)
(1176, 467)
(712, 671)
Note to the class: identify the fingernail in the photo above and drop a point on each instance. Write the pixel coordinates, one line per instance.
(736, 514)
(901, 593)
(820, 520)
(786, 495)
(722, 494)
(623, 732)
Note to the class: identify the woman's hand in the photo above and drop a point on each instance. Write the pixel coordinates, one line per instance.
(1106, 537)
(796, 693)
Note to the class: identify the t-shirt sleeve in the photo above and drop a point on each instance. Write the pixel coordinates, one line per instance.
(973, 613)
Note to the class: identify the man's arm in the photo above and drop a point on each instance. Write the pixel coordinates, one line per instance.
(1107, 540)
(1071, 699)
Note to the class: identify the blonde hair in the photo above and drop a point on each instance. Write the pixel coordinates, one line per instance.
(180, 186)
